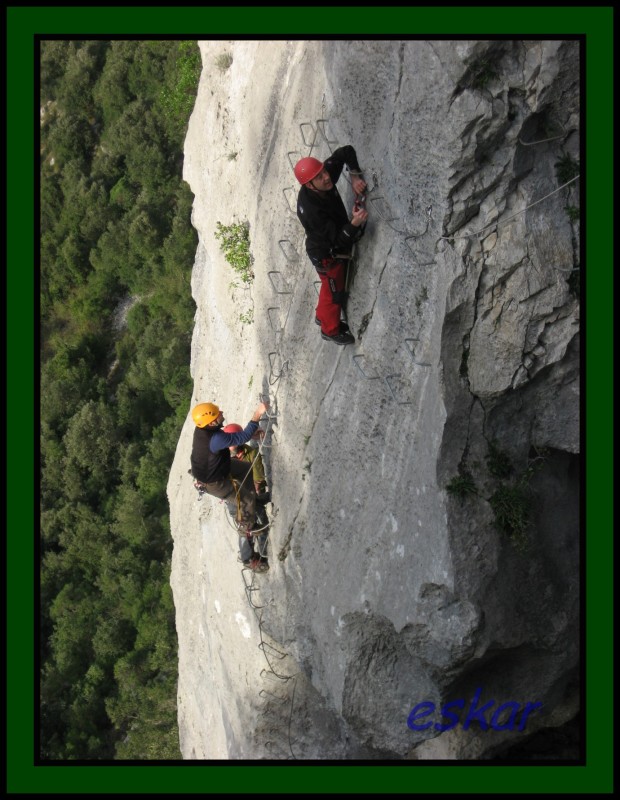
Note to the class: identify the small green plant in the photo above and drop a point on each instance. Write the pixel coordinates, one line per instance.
(223, 61)
(462, 484)
(536, 460)
(512, 504)
(307, 469)
(511, 507)
(497, 461)
(306, 440)
(232, 156)
(251, 381)
(235, 244)
(248, 317)
(573, 213)
(566, 168)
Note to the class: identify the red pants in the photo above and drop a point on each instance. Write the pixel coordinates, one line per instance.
(332, 295)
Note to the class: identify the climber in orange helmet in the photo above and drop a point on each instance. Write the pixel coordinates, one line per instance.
(216, 474)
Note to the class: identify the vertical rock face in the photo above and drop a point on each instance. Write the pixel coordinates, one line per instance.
(425, 537)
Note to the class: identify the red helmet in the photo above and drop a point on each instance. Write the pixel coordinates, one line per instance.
(232, 428)
(307, 168)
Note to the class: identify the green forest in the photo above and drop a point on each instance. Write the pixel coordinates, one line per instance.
(116, 317)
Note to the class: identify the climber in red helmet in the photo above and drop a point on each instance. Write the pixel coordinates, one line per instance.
(251, 458)
(249, 454)
(330, 233)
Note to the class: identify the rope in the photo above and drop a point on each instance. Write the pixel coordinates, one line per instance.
(497, 223)
(262, 646)
(290, 719)
(542, 141)
(238, 490)
(260, 446)
(260, 451)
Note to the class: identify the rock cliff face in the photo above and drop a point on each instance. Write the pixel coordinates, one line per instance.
(425, 481)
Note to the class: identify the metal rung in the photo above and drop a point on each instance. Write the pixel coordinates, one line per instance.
(271, 671)
(410, 350)
(272, 677)
(272, 373)
(282, 317)
(303, 135)
(389, 385)
(270, 316)
(384, 212)
(321, 128)
(279, 280)
(277, 653)
(292, 254)
(429, 216)
(317, 286)
(297, 155)
(422, 259)
(249, 587)
(291, 207)
(368, 378)
(417, 235)
(253, 605)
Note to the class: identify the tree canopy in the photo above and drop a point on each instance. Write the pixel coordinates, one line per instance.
(115, 229)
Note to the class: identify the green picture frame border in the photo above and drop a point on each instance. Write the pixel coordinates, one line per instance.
(22, 25)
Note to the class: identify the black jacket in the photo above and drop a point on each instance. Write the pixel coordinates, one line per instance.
(208, 467)
(325, 219)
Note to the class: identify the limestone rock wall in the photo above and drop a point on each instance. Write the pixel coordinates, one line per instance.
(387, 590)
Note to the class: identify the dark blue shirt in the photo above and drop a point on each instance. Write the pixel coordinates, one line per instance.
(221, 440)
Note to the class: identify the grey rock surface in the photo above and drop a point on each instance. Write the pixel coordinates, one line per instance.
(386, 590)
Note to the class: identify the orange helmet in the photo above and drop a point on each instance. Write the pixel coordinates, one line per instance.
(232, 428)
(204, 413)
(307, 168)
